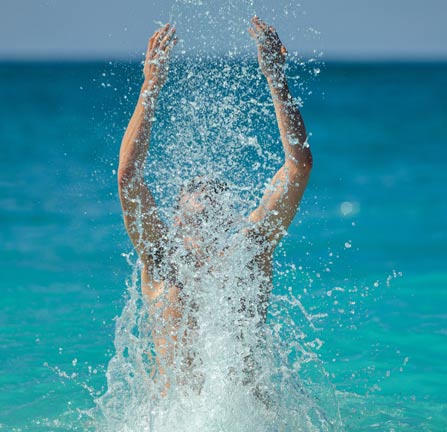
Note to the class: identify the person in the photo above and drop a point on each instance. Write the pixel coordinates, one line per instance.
(266, 224)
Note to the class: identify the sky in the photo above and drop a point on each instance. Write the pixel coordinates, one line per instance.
(341, 29)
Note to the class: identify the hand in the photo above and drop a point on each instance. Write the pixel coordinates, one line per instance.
(156, 65)
(271, 51)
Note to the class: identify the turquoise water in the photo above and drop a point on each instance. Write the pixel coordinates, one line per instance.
(374, 215)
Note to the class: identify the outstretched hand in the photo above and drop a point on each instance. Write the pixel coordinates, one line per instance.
(156, 65)
(271, 52)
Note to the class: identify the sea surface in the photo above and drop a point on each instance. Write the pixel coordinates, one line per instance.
(370, 241)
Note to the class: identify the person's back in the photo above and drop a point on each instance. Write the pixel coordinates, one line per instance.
(177, 261)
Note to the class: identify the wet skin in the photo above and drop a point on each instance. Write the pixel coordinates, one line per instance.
(268, 222)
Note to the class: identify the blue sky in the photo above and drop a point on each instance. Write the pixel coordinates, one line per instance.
(346, 29)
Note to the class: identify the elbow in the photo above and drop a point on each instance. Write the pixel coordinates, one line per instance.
(126, 176)
(309, 162)
(123, 176)
(306, 161)
(130, 178)
(301, 166)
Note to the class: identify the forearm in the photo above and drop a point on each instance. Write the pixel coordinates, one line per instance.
(139, 209)
(135, 143)
(290, 124)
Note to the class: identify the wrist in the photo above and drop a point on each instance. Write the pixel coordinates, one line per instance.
(150, 86)
(149, 93)
(277, 82)
(279, 88)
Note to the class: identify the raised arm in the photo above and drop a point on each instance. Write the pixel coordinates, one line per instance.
(142, 222)
(282, 197)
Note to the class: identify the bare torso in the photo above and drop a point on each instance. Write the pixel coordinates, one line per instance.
(274, 213)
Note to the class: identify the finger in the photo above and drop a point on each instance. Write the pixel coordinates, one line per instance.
(163, 55)
(158, 32)
(168, 37)
(164, 30)
(256, 25)
(259, 36)
(253, 34)
(151, 41)
(169, 46)
(160, 36)
(261, 24)
(157, 41)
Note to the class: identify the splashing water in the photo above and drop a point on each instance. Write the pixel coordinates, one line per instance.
(237, 356)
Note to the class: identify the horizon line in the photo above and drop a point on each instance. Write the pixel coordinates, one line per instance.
(132, 58)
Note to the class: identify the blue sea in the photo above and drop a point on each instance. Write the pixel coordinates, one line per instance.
(369, 243)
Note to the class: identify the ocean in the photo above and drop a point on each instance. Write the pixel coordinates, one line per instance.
(368, 244)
